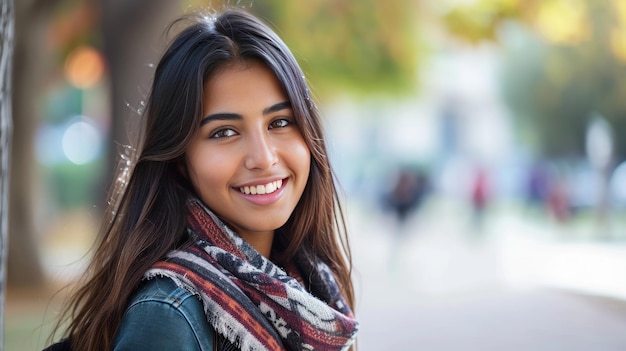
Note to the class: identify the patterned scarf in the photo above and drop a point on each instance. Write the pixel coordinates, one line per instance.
(250, 301)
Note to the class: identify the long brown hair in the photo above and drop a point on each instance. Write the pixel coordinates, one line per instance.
(146, 215)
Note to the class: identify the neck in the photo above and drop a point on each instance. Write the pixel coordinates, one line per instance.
(260, 241)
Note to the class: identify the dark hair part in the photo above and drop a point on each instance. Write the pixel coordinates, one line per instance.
(146, 215)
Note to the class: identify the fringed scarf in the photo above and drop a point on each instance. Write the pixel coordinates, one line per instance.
(250, 301)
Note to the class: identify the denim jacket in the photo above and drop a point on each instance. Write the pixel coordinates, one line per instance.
(164, 316)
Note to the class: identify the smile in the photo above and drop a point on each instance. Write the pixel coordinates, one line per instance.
(262, 189)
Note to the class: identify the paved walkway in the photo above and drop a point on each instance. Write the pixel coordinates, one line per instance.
(512, 286)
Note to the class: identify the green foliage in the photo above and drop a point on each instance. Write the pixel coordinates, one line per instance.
(366, 46)
(480, 21)
(557, 88)
(554, 87)
(73, 185)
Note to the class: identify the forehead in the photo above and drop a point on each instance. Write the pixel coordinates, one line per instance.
(242, 83)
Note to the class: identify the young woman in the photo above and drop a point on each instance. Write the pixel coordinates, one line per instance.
(226, 231)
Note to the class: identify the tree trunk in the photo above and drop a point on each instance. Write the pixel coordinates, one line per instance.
(133, 40)
(6, 52)
(132, 28)
(30, 65)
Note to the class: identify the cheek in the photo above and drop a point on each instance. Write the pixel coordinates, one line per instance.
(298, 148)
(207, 170)
(301, 157)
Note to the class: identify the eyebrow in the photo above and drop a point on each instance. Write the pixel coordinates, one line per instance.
(226, 116)
(277, 107)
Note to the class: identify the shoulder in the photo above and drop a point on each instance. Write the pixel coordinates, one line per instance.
(163, 290)
(163, 316)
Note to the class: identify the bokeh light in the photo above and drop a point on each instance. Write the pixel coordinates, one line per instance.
(82, 141)
(563, 21)
(84, 67)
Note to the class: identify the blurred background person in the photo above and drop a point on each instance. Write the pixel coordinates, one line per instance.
(479, 197)
(406, 195)
(404, 199)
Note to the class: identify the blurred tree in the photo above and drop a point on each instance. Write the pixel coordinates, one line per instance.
(364, 47)
(133, 39)
(479, 21)
(130, 33)
(558, 86)
(6, 57)
(32, 18)
(564, 60)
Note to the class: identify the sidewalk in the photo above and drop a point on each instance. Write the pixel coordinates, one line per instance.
(590, 268)
(441, 252)
(513, 286)
(585, 266)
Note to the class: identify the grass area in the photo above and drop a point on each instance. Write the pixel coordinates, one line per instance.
(29, 318)
(30, 313)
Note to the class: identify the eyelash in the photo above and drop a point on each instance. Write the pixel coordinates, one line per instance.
(220, 133)
(286, 122)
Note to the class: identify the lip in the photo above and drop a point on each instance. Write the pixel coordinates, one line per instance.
(265, 199)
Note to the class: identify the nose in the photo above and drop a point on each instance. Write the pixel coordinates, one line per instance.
(261, 152)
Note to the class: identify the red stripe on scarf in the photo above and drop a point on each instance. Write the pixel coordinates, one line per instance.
(231, 306)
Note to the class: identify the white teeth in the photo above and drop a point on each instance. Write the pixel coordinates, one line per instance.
(262, 189)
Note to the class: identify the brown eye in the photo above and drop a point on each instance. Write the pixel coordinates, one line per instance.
(280, 123)
(222, 133)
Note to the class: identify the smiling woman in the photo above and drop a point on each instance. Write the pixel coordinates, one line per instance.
(249, 139)
(225, 230)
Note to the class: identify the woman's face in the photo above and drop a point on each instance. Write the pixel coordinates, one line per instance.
(248, 162)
